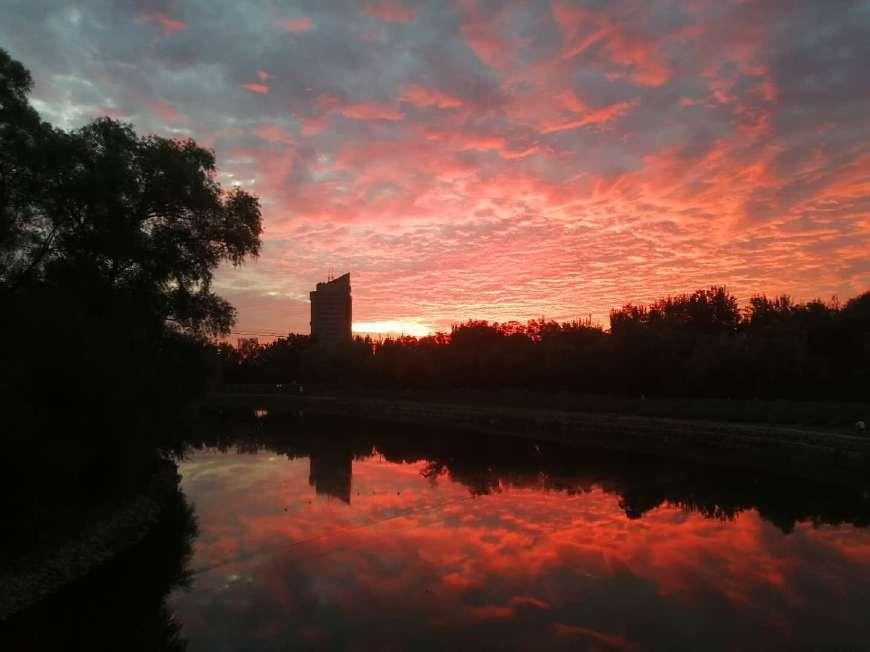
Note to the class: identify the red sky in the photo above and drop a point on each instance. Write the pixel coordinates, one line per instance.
(497, 160)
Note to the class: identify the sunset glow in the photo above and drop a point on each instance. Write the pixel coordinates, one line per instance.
(496, 160)
(391, 327)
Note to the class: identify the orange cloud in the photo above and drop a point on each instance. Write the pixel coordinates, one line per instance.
(482, 30)
(312, 126)
(598, 36)
(256, 88)
(424, 97)
(164, 110)
(274, 134)
(484, 143)
(298, 24)
(513, 155)
(569, 100)
(163, 20)
(371, 111)
(611, 641)
(599, 116)
(262, 74)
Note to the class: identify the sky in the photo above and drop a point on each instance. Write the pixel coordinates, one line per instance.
(495, 160)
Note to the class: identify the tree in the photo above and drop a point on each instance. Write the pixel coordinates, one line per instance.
(110, 215)
(108, 244)
(24, 234)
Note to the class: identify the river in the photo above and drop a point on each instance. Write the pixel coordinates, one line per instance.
(367, 537)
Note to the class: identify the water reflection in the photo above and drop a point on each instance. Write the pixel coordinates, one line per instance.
(348, 537)
(330, 471)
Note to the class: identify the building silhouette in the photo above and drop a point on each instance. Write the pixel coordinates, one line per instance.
(331, 308)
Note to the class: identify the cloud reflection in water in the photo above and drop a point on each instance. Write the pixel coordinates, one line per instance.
(352, 551)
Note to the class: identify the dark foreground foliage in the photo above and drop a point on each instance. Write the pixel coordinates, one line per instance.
(108, 242)
(122, 605)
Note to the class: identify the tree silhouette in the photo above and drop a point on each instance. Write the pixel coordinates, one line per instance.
(108, 244)
(25, 234)
(103, 212)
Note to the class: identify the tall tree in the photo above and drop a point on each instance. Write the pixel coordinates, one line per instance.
(24, 233)
(110, 215)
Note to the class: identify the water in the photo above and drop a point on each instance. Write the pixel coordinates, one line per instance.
(351, 536)
(378, 543)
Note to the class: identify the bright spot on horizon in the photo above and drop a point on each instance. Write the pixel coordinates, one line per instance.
(392, 327)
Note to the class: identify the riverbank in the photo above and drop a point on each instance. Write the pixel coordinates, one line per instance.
(804, 452)
(44, 572)
(816, 415)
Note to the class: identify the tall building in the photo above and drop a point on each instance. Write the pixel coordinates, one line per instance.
(331, 311)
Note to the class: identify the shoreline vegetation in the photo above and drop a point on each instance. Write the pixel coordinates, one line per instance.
(701, 345)
(49, 569)
(830, 416)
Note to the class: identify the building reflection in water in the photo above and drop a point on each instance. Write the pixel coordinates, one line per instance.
(330, 471)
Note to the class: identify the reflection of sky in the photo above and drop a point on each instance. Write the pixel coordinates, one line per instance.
(414, 563)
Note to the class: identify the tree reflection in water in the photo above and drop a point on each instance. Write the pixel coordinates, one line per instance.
(431, 539)
(487, 464)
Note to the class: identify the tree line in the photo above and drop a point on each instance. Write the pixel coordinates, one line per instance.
(701, 344)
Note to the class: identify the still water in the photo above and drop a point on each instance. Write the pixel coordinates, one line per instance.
(330, 535)
(425, 541)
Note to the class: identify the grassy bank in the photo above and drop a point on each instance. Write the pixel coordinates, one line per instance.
(47, 568)
(834, 416)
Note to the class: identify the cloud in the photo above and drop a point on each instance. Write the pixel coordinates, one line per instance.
(371, 111)
(297, 24)
(256, 88)
(425, 97)
(587, 116)
(610, 641)
(163, 20)
(598, 37)
(483, 33)
(390, 11)
(164, 110)
(274, 133)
